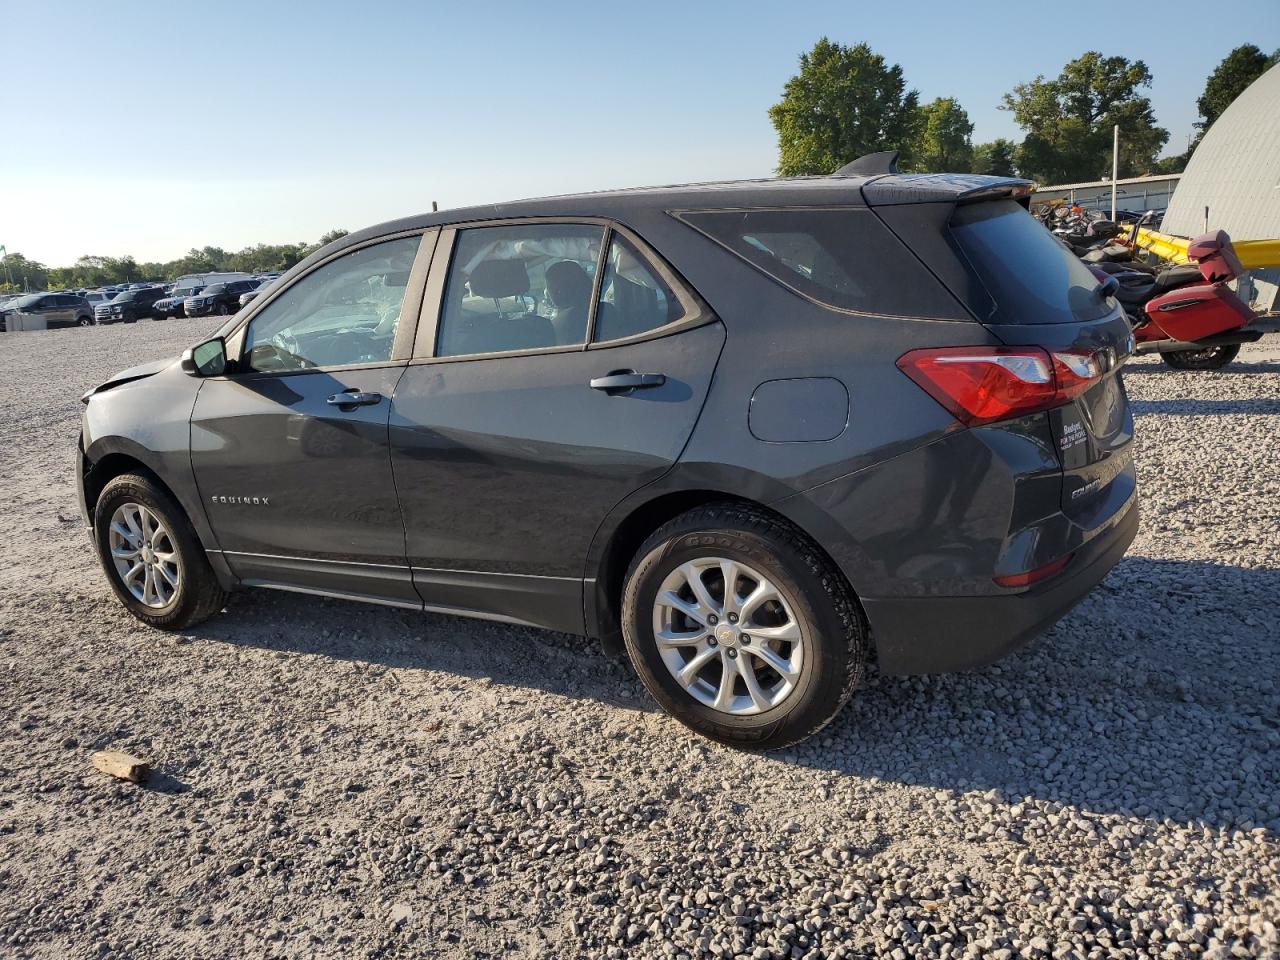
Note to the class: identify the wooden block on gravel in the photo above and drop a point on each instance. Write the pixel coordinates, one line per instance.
(121, 765)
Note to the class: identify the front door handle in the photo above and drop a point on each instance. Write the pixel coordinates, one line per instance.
(624, 381)
(355, 398)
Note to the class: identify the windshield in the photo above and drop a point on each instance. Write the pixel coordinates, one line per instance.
(24, 302)
(1031, 277)
(215, 288)
(187, 291)
(124, 297)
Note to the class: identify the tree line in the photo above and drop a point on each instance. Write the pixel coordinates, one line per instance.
(18, 273)
(847, 101)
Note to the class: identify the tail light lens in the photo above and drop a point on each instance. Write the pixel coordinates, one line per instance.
(980, 385)
(1034, 576)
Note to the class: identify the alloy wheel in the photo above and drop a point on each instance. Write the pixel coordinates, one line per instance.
(145, 555)
(728, 636)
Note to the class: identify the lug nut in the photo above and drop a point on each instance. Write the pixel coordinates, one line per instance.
(713, 619)
(733, 618)
(711, 641)
(733, 654)
(745, 640)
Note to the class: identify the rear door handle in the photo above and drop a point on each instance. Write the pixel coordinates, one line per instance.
(355, 398)
(624, 381)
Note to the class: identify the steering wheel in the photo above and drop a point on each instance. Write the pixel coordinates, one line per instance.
(276, 354)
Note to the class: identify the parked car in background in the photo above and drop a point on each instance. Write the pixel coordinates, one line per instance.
(204, 279)
(247, 297)
(220, 298)
(128, 306)
(573, 413)
(170, 306)
(95, 297)
(57, 309)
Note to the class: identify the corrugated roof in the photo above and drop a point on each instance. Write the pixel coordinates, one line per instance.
(1235, 171)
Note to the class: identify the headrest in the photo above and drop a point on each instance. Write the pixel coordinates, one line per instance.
(499, 278)
(568, 284)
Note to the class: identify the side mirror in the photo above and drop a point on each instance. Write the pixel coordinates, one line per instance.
(208, 359)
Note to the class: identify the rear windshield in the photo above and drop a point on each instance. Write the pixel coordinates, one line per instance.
(1031, 277)
(843, 258)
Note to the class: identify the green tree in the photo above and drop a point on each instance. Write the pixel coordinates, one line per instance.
(23, 273)
(1172, 164)
(944, 138)
(1068, 121)
(995, 159)
(95, 271)
(332, 235)
(844, 102)
(1238, 69)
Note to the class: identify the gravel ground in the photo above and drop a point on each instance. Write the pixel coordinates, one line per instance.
(338, 780)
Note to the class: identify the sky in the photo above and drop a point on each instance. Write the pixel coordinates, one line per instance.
(150, 128)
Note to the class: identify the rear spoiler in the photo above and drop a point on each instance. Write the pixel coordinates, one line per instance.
(937, 187)
(885, 184)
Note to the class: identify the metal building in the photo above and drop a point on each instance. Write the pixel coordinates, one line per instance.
(1136, 194)
(1233, 182)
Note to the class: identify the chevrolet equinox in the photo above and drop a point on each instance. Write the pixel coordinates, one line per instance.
(754, 433)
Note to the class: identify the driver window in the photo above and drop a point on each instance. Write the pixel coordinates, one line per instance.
(344, 313)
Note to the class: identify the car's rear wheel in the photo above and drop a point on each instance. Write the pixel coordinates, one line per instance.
(741, 628)
(151, 556)
(222, 310)
(85, 321)
(1210, 358)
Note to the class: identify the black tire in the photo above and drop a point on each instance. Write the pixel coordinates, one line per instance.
(84, 321)
(222, 310)
(198, 595)
(834, 632)
(1211, 358)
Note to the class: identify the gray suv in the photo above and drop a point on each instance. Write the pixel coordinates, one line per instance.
(752, 433)
(57, 309)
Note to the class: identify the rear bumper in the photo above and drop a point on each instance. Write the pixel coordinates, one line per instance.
(944, 634)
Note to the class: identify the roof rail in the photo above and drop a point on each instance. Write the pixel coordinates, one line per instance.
(872, 165)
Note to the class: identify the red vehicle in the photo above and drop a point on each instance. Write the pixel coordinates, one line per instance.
(1187, 313)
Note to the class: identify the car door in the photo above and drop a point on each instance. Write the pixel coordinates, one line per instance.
(54, 310)
(289, 448)
(511, 438)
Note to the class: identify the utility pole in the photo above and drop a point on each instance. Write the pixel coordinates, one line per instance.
(1115, 168)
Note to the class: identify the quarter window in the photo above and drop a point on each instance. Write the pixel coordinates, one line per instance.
(343, 313)
(844, 258)
(519, 288)
(633, 300)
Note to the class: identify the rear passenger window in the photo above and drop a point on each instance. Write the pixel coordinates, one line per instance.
(844, 258)
(519, 288)
(633, 299)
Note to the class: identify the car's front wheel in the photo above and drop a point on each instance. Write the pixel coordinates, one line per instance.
(151, 556)
(741, 628)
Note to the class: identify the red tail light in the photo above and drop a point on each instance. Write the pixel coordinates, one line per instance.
(1034, 576)
(984, 384)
